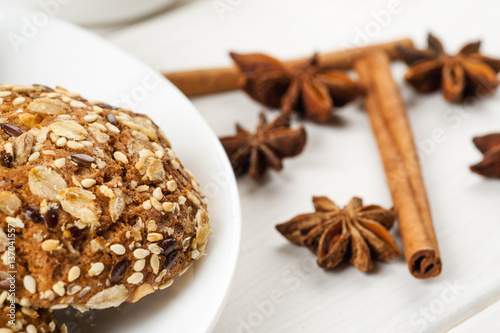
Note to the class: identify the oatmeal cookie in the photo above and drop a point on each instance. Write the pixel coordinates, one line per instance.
(93, 200)
(16, 318)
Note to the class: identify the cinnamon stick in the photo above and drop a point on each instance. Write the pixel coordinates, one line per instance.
(215, 80)
(390, 125)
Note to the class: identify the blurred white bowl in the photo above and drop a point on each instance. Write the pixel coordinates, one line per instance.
(95, 12)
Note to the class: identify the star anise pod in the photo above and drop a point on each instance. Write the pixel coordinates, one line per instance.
(255, 152)
(356, 233)
(466, 74)
(489, 145)
(308, 88)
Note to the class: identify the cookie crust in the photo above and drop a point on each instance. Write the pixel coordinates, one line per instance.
(102, 210)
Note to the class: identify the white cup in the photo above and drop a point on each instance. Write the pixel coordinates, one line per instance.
(95, 12)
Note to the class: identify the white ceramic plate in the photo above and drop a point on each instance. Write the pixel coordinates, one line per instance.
(57, 53)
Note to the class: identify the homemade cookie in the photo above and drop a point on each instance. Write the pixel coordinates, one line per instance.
(96, 205)
(25, 319)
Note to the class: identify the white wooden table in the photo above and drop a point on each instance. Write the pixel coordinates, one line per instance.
(277, 287)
